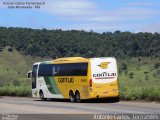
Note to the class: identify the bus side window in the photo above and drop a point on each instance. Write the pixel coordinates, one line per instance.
(55, 70)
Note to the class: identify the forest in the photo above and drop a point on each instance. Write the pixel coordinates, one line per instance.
(58, 43)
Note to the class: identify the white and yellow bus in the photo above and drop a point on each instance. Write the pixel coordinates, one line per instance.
(75, 78)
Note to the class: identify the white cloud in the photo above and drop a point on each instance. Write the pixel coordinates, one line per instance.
(122, 14)
(153, 27)
(100, 27)
(88, 15)
(90, 11)
(142, 3)
(69, 7)
(134, 11)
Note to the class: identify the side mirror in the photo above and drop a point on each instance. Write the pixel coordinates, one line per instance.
(29, 74)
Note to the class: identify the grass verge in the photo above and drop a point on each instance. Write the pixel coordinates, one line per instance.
(140, 93)
(15, 91)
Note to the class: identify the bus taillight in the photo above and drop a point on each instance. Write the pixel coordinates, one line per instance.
(90, 84)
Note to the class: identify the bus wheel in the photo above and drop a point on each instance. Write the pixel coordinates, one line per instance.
(42, 95)
(77, 96)
(71, 96)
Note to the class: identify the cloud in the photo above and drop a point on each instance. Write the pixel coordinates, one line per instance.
(91, 11)
(142, 4)
(69, 7)
(121, 14)
(134, 11)
(153, 27)
(88, 15)
(111, 27)
(92, 15)
(87, 10)
(100, 27)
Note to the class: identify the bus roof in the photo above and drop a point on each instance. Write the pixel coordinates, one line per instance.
(70, 60)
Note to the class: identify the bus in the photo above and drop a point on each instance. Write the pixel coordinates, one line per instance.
(75, 78)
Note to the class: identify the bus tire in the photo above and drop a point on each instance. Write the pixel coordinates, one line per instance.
(77, 97)
(71, 96)
(42, 96)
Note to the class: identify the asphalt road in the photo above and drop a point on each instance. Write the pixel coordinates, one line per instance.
(33, 106)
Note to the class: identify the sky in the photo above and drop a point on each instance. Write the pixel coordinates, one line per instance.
(97, 15)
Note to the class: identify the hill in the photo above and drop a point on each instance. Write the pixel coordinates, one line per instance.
(13, 72)
(139, 78)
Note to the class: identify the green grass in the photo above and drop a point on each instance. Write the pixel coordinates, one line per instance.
(140, 80)
(144, 83)
(13, 73)
(15, 90)
(140, 93)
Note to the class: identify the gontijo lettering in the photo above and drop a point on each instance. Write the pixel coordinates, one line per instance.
(66, 80)
(104, 74)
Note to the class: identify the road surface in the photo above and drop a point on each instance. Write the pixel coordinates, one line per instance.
(22, 105)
